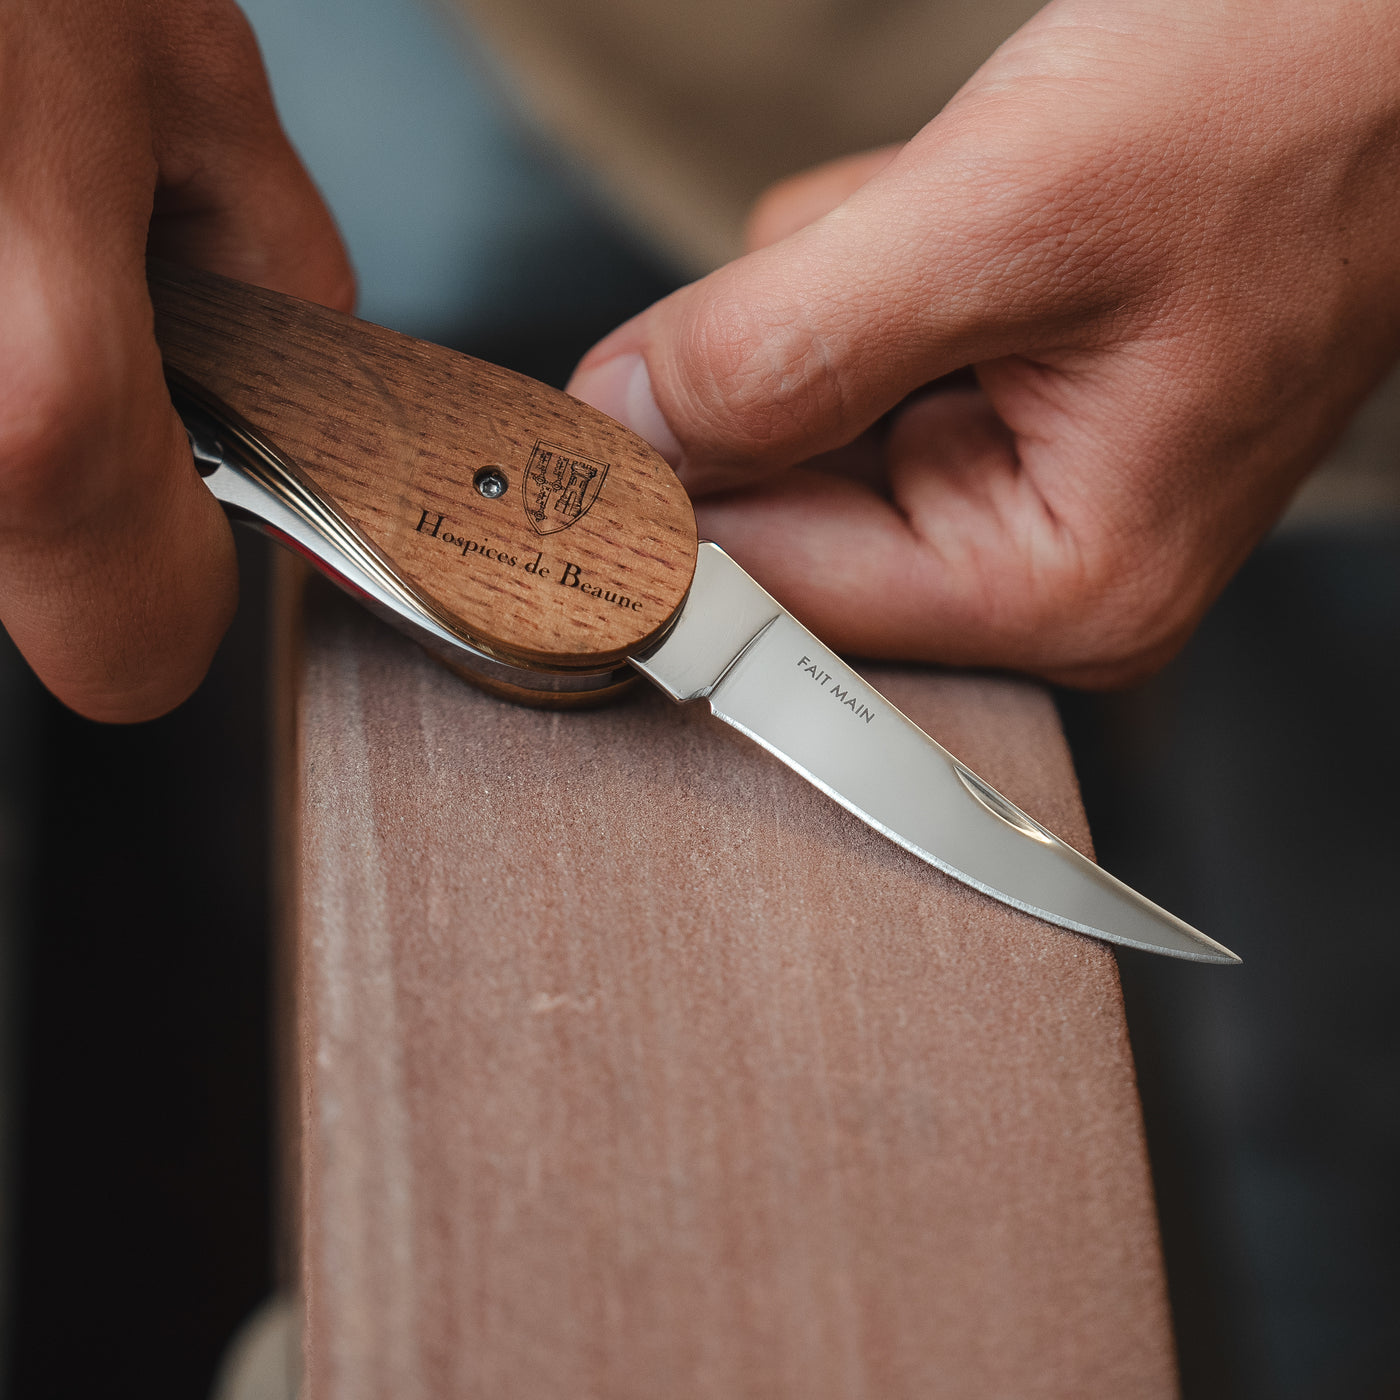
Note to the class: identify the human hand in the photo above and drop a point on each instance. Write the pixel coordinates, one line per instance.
(127, 128)
(1167, 236)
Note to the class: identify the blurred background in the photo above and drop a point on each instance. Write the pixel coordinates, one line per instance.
(1249, 787)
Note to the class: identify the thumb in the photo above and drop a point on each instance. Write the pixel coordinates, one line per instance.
(796, 348)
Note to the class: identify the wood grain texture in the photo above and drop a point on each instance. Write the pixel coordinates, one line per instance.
(633, 1067)
(586, 556)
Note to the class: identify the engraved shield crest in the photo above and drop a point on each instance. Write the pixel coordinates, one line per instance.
(560, 487)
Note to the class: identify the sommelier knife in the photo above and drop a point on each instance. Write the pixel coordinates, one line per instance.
(549, 555)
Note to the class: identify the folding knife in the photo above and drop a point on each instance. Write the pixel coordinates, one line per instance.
(549, 555)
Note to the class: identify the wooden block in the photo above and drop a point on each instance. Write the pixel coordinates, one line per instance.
(632, 1067)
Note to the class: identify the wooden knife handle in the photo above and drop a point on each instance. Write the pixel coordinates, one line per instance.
(583, 557)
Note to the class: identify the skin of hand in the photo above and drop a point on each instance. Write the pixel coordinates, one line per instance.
(1166, 238)
(127, 128)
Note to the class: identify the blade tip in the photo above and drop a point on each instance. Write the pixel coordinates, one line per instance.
(1220, 956)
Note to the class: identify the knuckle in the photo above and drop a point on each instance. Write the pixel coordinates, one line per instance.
(36, 428)
(1060, 221)
(51, 389)
(751, 378)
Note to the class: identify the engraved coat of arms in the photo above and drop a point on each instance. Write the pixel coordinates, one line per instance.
(560, 487)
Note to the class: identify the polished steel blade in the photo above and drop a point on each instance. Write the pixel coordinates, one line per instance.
(770, 678)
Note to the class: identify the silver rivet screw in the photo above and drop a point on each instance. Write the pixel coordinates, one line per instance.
(491, 482)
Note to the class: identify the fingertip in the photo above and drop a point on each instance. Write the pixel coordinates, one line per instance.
(630, 336)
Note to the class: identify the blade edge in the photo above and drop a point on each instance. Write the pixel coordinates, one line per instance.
(1213, 952)
(735, 647)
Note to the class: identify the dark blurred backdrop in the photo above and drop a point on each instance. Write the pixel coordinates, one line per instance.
(1251, 788)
